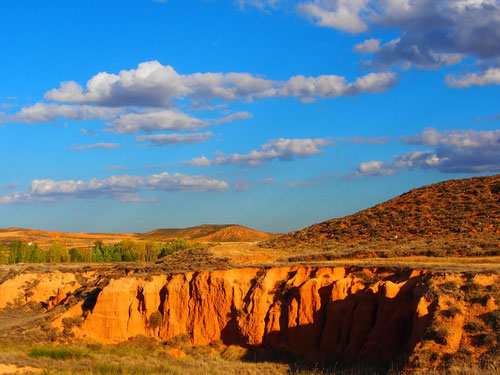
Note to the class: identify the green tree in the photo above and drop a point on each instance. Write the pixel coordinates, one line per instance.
(78, 255)
(4, 254)
(57, 253)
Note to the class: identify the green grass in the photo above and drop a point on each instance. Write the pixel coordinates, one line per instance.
(57, 352)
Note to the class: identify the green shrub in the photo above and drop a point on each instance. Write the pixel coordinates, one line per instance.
(155, 319)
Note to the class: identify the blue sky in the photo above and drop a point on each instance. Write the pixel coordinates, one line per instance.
(128, 116)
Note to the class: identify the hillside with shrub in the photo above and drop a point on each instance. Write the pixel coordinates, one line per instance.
(463, 215)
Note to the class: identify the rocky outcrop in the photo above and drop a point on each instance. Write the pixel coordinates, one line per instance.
(50, 288)
(332, 313)
(312, 312)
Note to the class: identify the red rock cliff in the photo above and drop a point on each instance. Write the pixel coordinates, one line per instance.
(310, 311)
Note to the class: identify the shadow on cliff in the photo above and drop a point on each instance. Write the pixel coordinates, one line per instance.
(367, 332)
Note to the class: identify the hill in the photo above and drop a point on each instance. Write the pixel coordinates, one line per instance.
(457, 214)
(203, 233)
(208, 233)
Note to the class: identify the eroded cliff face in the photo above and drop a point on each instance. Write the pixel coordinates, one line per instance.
(314, 312)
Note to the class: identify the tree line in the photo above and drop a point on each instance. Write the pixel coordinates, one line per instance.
(124, 251)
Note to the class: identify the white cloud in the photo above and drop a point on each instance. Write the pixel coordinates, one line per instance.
(100, 145)
(415, 159)
(201, 162)
(374, 168)
(88, 132)
(340, 14)
(43, 112)
(490, 76)
(434, 33)
(152, 120)
(454, 151)
(155, 85)
(330, 86)
(456, 138)
(282, 149)
(368, 46)
(173, 139)
(242, 115)
(122, 187)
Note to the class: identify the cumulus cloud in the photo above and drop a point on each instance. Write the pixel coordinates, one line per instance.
(368, 46)
(173, 139)
(282, 149)
(374, 168)
(202, 161)
(100, 145)
(49, 112)
(123, 187)
(490, 76)
(344, 15)
(331, 86)
(454, 151)
(155, 85)
(152, 120)
(434, 33)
